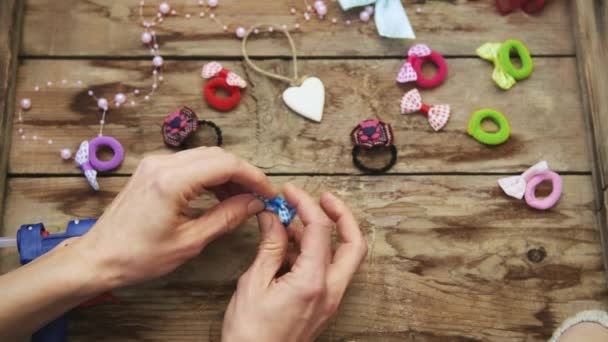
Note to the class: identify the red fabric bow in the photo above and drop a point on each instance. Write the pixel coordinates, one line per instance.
(438, 115)
(505, 7)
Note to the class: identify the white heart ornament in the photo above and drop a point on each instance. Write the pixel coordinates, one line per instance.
(308, 99)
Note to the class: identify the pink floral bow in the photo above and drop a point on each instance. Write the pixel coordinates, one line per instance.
(438, 115)
(215, 69)
(407, 73)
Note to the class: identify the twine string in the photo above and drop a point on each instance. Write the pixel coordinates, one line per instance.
(292, 81)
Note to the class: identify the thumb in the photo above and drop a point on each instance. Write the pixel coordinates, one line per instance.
(225, 216)
(272, 249)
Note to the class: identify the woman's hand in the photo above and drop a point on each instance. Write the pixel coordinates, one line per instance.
(149, 229)
(296, 305)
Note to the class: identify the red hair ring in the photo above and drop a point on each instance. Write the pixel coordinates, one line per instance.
(220, 77)
(218, 102)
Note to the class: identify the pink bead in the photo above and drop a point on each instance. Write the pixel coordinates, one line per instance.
(270, 29)
(202, 14)
(240, 32)
(157, 61)
(292, 10)
(36, 88)
(256, 31)
(212, 15)
(334, 20)
(50, 141)
(306, 16)
(297, 26)
(364, 16)
(136, 91)
(102, 103)
(348, 22)
(146, 97)
(90, 92)
(120, 98)
(322, 11)
(146, 37)
(25, 104)
(20, 130)
(164, 8)
(369, 9)
(225, 28)
(320, 8)
(66, 154)
(212, 3)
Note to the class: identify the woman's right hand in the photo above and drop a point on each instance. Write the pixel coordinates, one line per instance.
(297, 305)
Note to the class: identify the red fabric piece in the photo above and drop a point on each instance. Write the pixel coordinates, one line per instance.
(221, 103)
(505, 7)
(101, 299)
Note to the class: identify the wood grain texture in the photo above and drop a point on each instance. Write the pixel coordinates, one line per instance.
(450, 259)
(545, 114)
(591, 32)
(11, 12)
(112, 28)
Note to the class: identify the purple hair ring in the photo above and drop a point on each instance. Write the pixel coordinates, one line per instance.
(112, 144)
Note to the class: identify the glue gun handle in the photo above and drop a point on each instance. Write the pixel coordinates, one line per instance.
(54, 331)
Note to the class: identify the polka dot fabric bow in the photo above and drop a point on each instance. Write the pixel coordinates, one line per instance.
(407, 73)
(82, 159)
(215, 69)
(438, 115)
(281, 208)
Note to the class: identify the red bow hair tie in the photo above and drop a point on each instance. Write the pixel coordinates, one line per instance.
(505, 7)
(438, 115)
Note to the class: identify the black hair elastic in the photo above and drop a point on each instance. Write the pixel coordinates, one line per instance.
(373, 134)
(179, 125)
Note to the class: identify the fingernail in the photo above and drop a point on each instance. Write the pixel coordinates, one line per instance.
(265, 221)
(255, 206)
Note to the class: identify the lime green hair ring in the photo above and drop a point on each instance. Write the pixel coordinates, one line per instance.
(495, 138)
(504, 57)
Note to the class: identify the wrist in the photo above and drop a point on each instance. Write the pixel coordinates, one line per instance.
(95, 270)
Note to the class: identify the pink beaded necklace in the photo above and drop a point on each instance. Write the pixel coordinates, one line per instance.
(208, 10)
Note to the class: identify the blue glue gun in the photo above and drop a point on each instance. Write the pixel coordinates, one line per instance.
(33, 241)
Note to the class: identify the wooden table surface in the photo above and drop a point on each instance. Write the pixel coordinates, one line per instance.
(450, 256)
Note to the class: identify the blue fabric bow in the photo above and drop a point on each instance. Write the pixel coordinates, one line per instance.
(391, 19)
(281, 208)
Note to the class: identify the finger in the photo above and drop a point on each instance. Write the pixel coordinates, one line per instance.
(210, 167)
(222, 218)
(295, 234)
(271, 251)
(315, 242)
(353, 248)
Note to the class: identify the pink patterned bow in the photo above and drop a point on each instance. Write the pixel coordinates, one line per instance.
(215, 69)
(438, 115)
(407, 73)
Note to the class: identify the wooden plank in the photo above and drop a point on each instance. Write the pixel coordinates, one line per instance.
(112, 28)
(448, 260)
(10, 34)
(591, 32)
(545, 113)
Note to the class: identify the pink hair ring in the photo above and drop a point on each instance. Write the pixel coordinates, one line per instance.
(116, 148)
(549, 201)
(442, 70)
